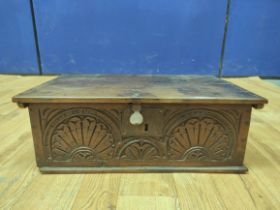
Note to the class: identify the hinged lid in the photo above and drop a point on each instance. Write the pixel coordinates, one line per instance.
(187, 89)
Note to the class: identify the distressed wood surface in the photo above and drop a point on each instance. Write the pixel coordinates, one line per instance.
(23, 187)
(99, 137)
(191, 89)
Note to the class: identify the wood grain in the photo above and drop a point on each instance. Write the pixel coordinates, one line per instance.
(175, 89)
(23, 187)
(72, 127)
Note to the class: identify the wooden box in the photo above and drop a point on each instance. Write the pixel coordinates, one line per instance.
(121, 123)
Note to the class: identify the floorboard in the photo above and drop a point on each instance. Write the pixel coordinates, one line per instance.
(23, 187)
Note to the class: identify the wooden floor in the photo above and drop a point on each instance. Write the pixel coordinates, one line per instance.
(23, 187)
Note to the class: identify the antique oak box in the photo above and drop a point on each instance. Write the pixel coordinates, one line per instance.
(121, 123)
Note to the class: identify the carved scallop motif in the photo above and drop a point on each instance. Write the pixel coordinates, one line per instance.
(199, 139)
(140, 149)
(81, 138)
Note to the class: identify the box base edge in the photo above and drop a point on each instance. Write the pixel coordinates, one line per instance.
(144, 169)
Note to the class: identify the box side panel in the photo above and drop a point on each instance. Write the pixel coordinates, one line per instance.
(36, 125)
(244, 125)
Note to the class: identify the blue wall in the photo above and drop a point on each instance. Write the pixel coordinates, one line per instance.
(125, 36)
(17, 48)
(141, 36)
(253, 40)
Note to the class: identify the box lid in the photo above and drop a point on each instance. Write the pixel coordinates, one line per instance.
(188, 89)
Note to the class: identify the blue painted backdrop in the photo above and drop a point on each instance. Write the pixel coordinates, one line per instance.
(141, 36)
(253, 41)
(17, 48)
(124, 36)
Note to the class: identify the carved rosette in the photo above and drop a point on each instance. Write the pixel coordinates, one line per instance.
(140, 150)
(201, 135)
(76, 135)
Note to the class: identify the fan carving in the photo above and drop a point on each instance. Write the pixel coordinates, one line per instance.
(81, 138)
(140, 150)
(200, 140)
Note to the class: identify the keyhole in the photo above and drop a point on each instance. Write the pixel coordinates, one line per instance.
(146, 127)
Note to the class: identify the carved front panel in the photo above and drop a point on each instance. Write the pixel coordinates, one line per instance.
(81, 138)
(79, 134)
(95, 133)
(140, 149)
(200, 135)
